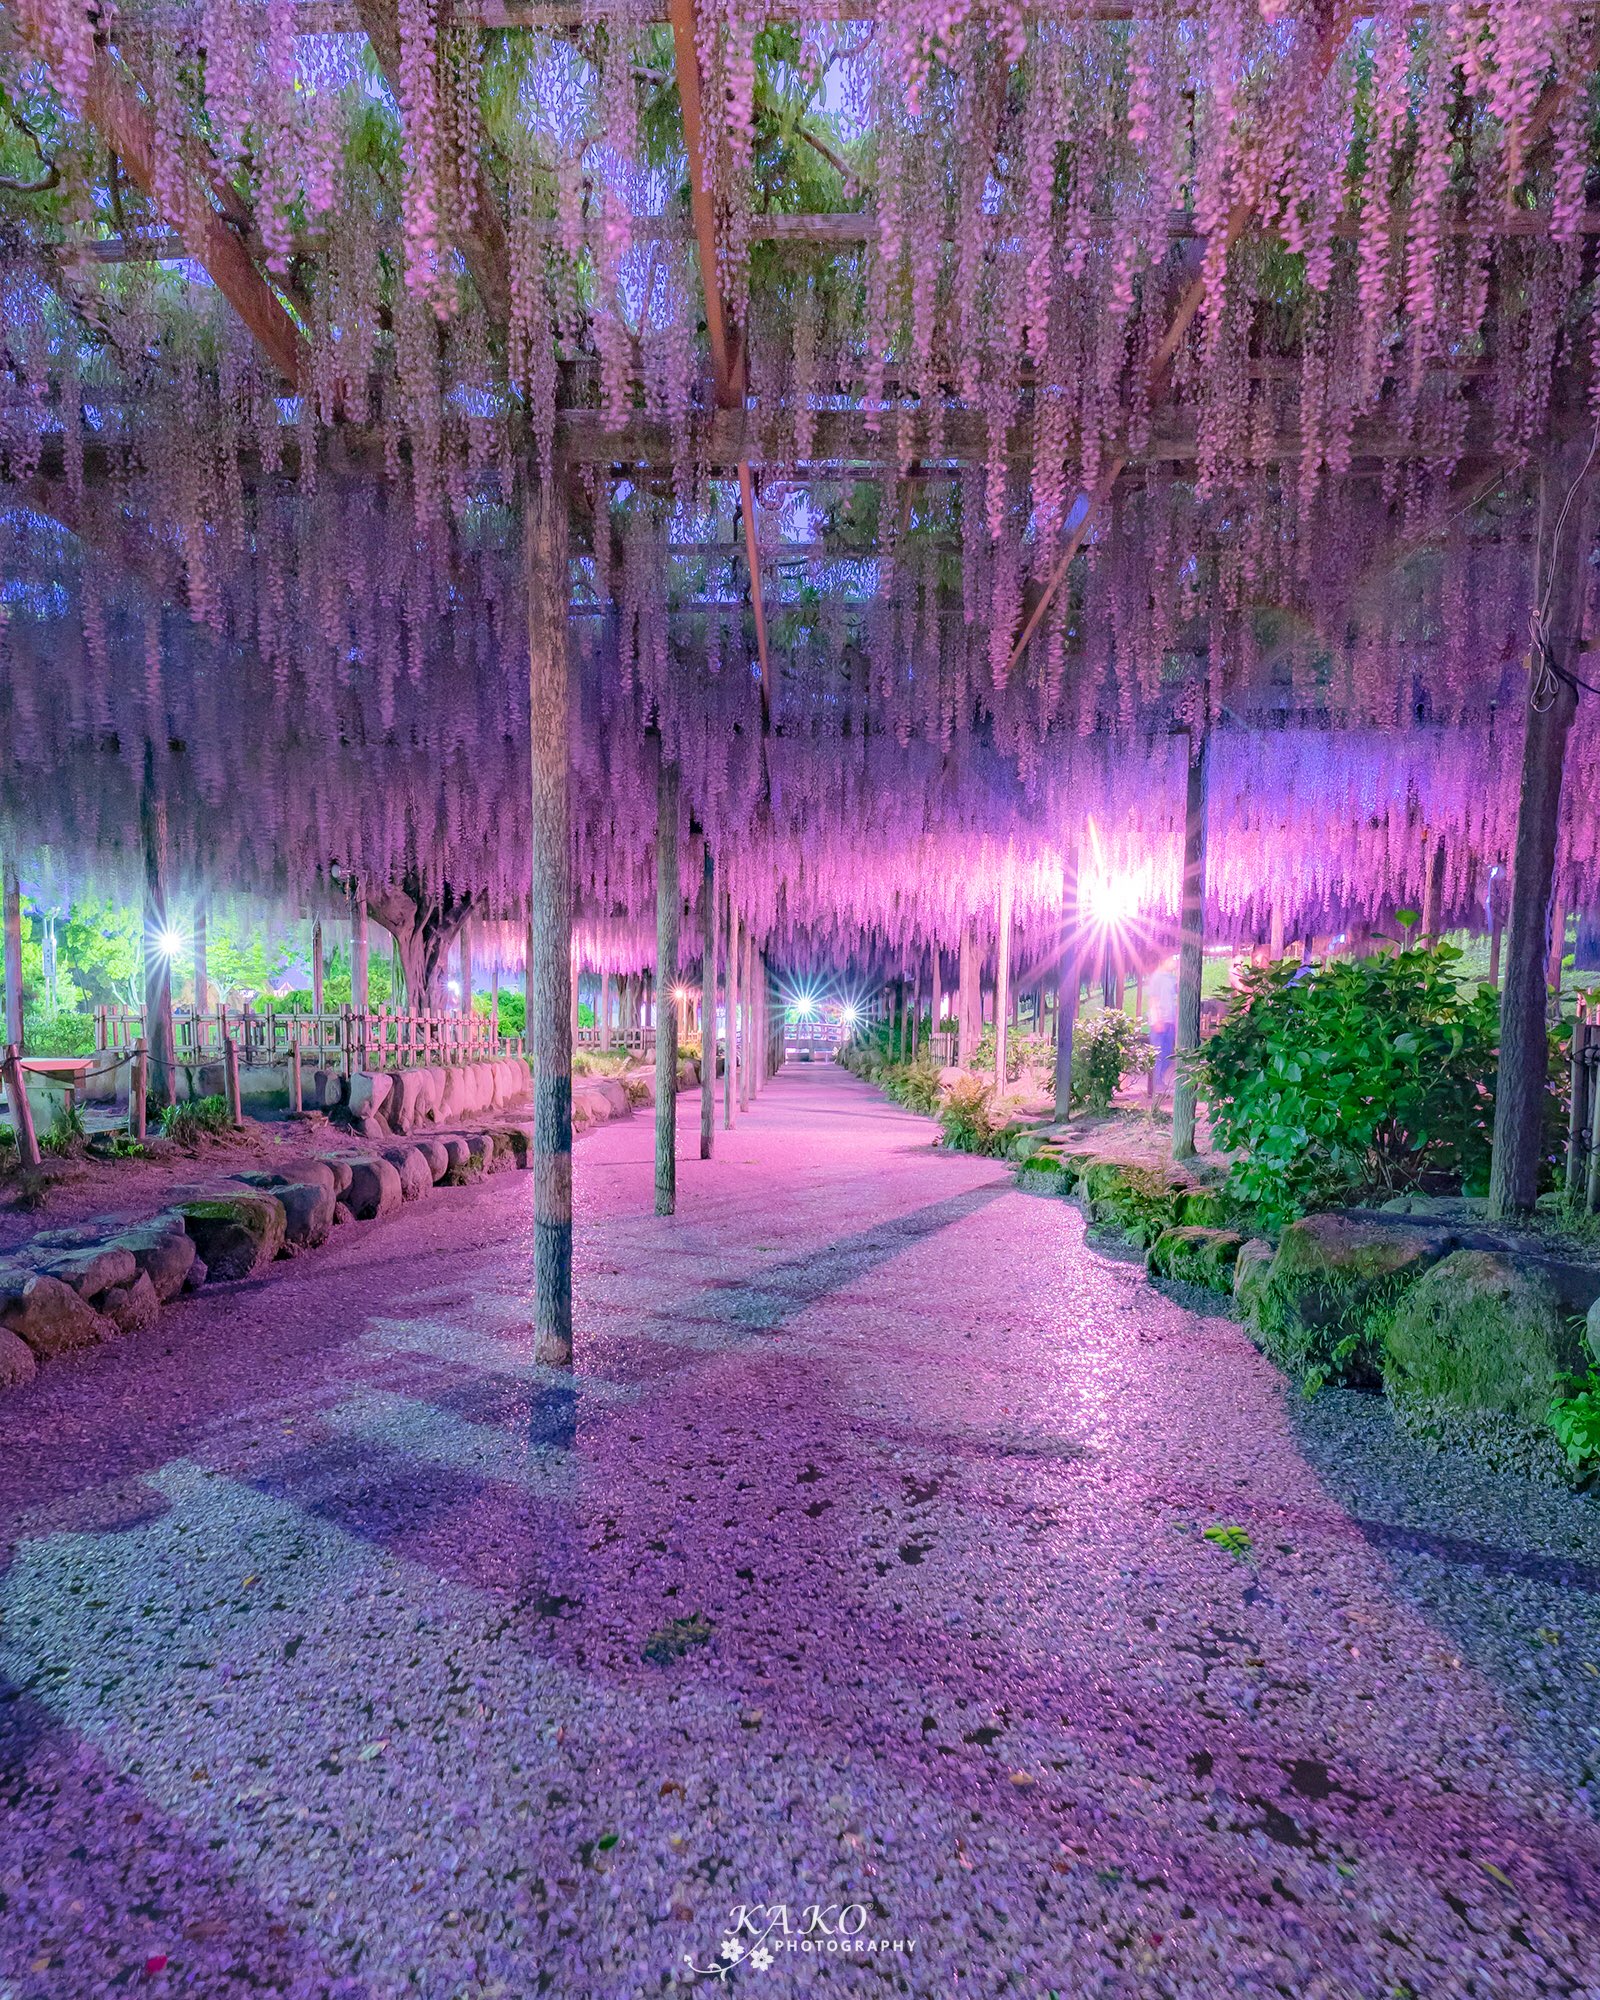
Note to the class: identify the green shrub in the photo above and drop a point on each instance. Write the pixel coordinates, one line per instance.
(184, 1123)
(1354, 1079)
(1139, 1201)
(1105, 1048)
(1034, 1052)
(66, 1131)
(965, 1117)
(63, 1034)
(914, 1084)
(1574, 1417)
(1321, 1308)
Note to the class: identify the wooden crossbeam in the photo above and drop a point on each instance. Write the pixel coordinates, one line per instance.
(1240, 219)
(722, 325)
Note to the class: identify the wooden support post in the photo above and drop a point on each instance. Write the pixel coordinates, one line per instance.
(318, 983)
(1567, 496)
(1067, 991)
(1191, 943)
(1578, 1110)
(360, 949)
(13, 950)
(202, 982)
(1432, 889)
(230, 1081)
(1496, 926)
(1558, 951)
(969, 1025)
(1591, 1199)
(297, 1100)
(747, 982)
(603, 1024)
(708, 1004)
(936, 1002)
(730, 1009)
(139, 1090)
(1002, 987)
(465, 947)
(669, 899)
(21, 1110)
(550, 927)
(158, 1030)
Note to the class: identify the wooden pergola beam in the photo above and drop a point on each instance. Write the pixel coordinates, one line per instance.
(722, 325)
(127, 124)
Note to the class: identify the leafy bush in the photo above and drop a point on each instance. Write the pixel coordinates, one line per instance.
(1105, 1048)
(1355, 1078)
(1575, 1419)
(965, 1117)
(1033, 1052)
(66, 1131)
(913, 1084)
(184, 1123)
(62, 1034)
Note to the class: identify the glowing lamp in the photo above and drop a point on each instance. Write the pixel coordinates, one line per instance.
(168, 941)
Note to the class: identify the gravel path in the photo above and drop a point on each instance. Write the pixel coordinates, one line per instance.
(859, 1570)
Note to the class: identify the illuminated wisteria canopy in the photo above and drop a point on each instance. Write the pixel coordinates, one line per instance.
(956, 407)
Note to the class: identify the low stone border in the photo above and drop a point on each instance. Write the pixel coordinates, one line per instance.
(73, 1287)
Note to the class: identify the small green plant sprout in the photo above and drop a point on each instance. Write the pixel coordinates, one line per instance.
(184, 1123)
(66, 1131)
(1229, 1537)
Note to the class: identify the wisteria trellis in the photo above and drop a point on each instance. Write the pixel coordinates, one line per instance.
(1319, 282)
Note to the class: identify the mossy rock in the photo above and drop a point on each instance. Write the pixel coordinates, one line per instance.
(1043, 1174)
(1317, 1311)
(1027, 1146)
(1202, 1210)
(1480, 1332)
(235, 1234)
(1195, 1255)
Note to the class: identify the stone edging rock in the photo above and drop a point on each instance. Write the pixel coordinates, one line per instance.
(73, 1287)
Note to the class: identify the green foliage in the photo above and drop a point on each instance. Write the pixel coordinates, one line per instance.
(1354, 1079)
(1105, 1048)
(1138, 1201)
(1031, 1052)
(66, 1133)
(913, 1084)
(60, 1034)
(672, 1640)
(184, 1123)
(1574, 1417)
(965, 1117)
(1228, 1536)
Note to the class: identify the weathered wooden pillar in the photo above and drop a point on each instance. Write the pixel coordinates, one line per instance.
(466, 966)
(916, 1009)
(747, 984)
(1002, 979)
(1566, 541)
(316, 965)
(936, 1001)
(603, 1024)
(1496, 925)
(730, 1011)
(1433, 860)
(708, 1004)
(527, 994)
(360, 955)
(669, 899)
(13, 947)
(969, 1024)
(1067, 983)
(202, 982)
(550, 926)
(1191, 942)
(158, 1029)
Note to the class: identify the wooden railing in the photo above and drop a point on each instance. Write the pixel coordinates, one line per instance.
(341, 1039)
(625, 1041)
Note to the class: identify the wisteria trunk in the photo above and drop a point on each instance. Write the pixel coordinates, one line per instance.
(1567, 522)
(202, 982)
(316, 966)
(1002, 980)
(550, 927)
(669, 896)
(1191, 944)
(969, 1027)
